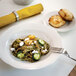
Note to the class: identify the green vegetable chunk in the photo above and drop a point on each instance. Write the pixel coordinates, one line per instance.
(41, 42)
(36, 56)
(20, 55)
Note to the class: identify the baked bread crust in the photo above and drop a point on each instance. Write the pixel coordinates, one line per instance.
(66, 14)
(56, 21)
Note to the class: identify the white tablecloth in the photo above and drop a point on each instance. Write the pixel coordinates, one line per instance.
(63, 66)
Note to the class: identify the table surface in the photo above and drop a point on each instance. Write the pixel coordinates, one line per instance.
(73, 72)
(63, 66)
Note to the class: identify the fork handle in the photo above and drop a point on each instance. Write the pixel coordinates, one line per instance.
(72, 58)
(61, 51)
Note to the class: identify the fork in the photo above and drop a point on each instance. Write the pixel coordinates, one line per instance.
(61, 51)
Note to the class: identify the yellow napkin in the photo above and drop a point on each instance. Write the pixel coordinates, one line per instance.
(23, 13)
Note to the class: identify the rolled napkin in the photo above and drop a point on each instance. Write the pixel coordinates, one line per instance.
(23, 13)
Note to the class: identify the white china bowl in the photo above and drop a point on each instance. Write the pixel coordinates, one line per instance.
(22, 30)
(23, 2)
(67, 27)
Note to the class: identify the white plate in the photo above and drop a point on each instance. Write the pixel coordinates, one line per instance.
(19, 31)
(67, 27)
